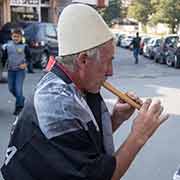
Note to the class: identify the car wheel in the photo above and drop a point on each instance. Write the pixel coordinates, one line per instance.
(169, 60)
(177, 62)
(44, 60)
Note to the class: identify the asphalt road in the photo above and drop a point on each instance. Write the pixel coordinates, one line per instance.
(160, 156)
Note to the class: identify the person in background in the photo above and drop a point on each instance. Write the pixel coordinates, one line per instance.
(16, 54)
(65, 131)
(136, 46)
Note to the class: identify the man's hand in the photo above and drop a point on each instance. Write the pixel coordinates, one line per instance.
(149, 119)
(123, 111)
(23, 66)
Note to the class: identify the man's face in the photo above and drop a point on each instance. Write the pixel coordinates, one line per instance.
(96, 71)
(17, 38)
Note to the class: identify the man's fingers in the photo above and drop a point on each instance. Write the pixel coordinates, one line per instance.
(160, 111)
(134, 97)
(156, 106)
(123, 106)
(120, 100)
(145, 105)
(163, 118)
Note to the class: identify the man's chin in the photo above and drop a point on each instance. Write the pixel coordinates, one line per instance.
(94, 91)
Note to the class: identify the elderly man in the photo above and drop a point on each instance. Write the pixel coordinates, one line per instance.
(65, 130)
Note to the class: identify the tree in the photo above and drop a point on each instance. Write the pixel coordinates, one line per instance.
(167, 11)
(113, 11)
(140, 10)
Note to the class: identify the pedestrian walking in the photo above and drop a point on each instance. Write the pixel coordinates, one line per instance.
(136, 46)
(65, 131)
(16, 54)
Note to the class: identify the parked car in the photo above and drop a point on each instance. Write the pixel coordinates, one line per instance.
(121, 36)
(125, 42)
(42, 40)
(150, 48)
(116, 36)
(166, 45)
(173, 57)
(143, 42)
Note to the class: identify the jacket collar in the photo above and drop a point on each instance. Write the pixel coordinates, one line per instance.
(61, 72)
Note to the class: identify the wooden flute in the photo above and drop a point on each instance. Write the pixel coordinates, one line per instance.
(121, 95)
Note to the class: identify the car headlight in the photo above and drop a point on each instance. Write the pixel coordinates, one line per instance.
(42, 43)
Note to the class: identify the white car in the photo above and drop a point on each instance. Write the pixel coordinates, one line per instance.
(125, 42)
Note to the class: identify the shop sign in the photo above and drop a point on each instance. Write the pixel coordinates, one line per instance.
(23, 2)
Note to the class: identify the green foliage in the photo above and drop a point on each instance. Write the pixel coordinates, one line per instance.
(140, 10)
(167, 11)
(113, 11)
(156, 11)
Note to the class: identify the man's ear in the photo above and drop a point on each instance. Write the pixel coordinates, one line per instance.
(81, 59)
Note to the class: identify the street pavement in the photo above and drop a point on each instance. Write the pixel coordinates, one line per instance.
(160, 157)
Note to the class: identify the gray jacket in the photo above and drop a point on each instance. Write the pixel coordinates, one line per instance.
(15, 54)
(63, 101)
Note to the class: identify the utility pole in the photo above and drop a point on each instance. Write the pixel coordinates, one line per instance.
(39, 11)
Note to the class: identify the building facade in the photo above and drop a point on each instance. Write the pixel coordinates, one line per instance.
(4, 12)
(1, 12)
(56, 8)
(36, 10)
(31, 10)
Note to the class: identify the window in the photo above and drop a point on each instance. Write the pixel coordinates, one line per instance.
(171, 41)
(47, 2)
(51, 31)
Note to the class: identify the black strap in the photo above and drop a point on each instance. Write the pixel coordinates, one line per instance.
(60, 73)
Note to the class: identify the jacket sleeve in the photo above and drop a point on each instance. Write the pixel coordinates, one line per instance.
(73, 134)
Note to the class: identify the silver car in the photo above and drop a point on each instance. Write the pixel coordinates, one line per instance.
(150, 48)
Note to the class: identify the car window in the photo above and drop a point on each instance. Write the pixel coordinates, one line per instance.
(171, 40)
(146, 40)
(158, 42)
(151, 41)
(51, 31)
